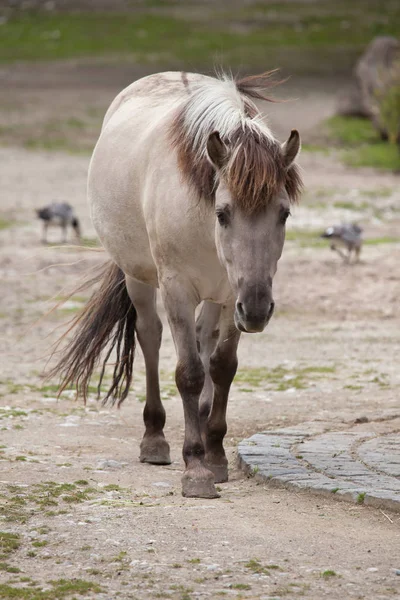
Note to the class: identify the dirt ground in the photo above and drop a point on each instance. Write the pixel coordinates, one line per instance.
(87, 517)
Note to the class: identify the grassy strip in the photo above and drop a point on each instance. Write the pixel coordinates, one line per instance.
(361, 144)
(237, 37)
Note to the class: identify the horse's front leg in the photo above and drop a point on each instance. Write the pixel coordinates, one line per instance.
(180, 304)
(207, 333)
(223, 365)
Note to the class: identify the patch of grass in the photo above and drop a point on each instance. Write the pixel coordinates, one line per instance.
(9, 568)
(315, 148)
(168, 390)
(357, 207)
(6, 224)
(255, 566)
(121, 557)
(386, 239)
(94, 571)
(232, 35)
(6, 413)
(351, 131)
(305, 238)
(21, 458)
(38, 544)
(379, 155)
(360, 143)
(280, 378)
(194, 561)
(112, 487)
(240, 586)
(328, 573)
(9, 543)
(61, 588)
(89, 242)
(361, 498)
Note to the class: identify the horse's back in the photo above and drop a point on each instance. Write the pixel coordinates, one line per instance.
(132, 156)
(154, 91)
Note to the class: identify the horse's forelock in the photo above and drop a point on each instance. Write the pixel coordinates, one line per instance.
(255, 171)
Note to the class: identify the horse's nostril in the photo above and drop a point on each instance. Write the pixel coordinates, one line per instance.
(271, 309)
(239, 308)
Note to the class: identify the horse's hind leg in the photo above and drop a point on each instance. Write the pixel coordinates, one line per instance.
(154, 447)
(223, 365)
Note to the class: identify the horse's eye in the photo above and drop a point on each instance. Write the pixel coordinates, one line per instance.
(284, 216)
(223, 219)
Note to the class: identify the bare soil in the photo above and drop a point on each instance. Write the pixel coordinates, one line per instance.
(123, 525)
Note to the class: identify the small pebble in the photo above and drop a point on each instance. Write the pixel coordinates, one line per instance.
(397, 571)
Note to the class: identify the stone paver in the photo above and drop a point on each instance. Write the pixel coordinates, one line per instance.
(360, 467)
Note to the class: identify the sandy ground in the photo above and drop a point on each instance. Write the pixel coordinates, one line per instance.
(122, 525)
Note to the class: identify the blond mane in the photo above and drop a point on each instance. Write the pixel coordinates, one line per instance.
(255, 171)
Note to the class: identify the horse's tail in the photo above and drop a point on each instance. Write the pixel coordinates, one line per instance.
(107, 321)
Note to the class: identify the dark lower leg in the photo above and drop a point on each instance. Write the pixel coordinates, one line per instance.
(223, 365)
(197, 480)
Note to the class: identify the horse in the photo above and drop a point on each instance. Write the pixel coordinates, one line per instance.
(189, 193)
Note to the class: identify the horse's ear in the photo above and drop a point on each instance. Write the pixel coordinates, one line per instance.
(216, 150)
(291, 148)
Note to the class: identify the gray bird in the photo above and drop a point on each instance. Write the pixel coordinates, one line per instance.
(58, 214)
(348, 236)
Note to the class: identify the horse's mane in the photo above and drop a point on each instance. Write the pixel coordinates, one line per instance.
(255, 171)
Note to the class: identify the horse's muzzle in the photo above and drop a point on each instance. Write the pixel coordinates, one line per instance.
(250, 319)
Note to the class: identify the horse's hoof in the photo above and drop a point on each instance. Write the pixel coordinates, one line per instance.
(220, 472)
(155, 450)
(198, 484)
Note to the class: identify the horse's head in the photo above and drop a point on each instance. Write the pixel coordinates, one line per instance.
(256, 184)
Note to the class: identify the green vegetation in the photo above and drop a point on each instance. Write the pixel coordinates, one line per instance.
(253, 472)
(90, 242)
(8, 568)
(361, 498)
(379, 155)
(281, 378)
(351, 131)
(255, 566)
(308, 238)
(9, 543)
(387, 99)
(305, 238)
(60, 589)
(360, 143)
(5, 224)
(241, 586)
(238, 35)
(328, 573)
